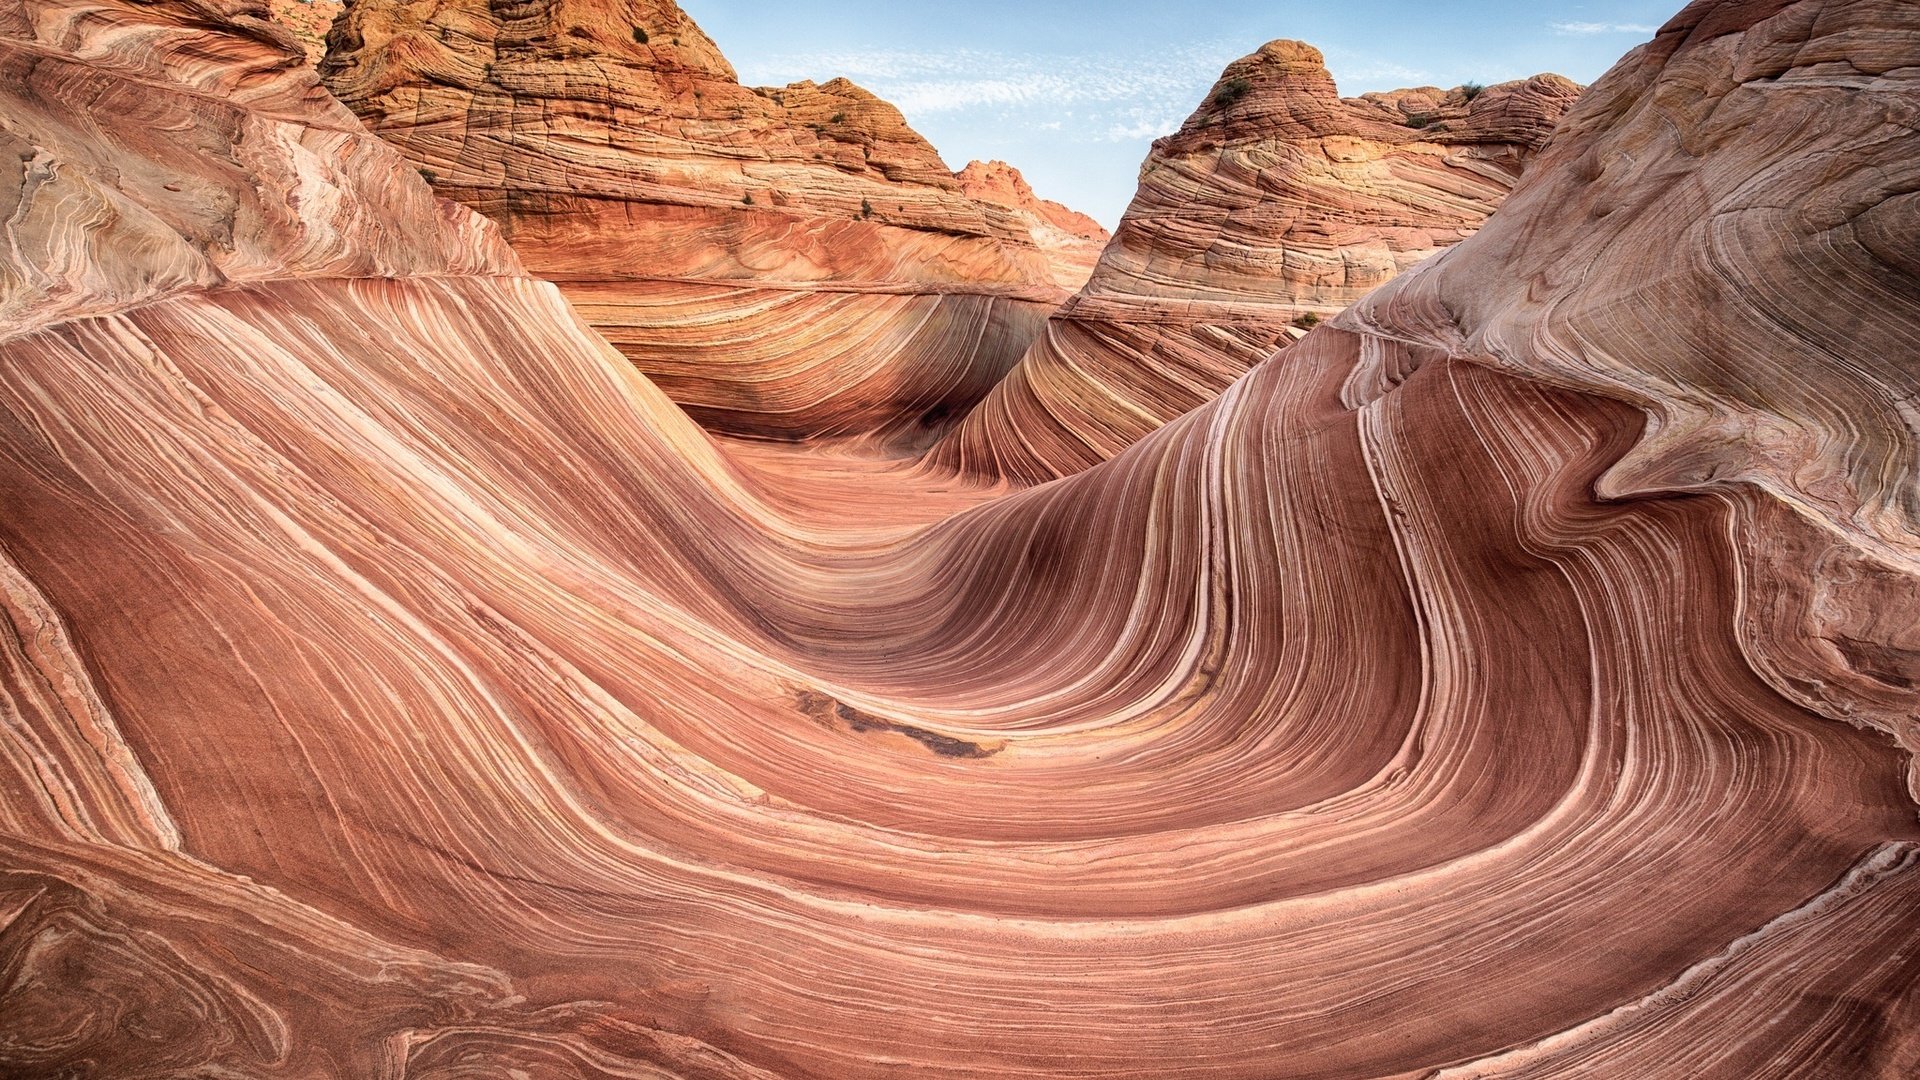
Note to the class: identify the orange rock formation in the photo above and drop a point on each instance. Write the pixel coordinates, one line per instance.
(1072, 240)
(309, 20)
(790, 262)
(1276, 204)
(1514, 678)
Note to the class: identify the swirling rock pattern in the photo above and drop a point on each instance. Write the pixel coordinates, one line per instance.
(705, 226)
(397, 684)
(1277, 203)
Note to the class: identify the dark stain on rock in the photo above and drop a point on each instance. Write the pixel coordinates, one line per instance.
(824, 708)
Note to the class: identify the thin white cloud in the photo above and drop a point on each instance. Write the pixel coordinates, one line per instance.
(1111, 96)
(1143, 128)
(1602, 28)
(1351, 68)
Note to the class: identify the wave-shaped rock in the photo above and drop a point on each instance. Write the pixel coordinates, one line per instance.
(1276, 204)
(704, 225)
(397, 684)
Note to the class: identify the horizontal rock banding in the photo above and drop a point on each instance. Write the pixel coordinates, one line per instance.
(625, 161)
(397, 683)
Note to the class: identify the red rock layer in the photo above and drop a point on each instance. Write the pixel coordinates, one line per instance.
(624, 161)
(1277, 203)
(397, 684)
(1071, 240)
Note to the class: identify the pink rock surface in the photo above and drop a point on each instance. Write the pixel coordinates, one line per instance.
(396, 683)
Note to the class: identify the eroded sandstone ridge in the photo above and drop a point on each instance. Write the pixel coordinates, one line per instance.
(1071, 240)
(1276, 204)
(789, 262)
(1510, 680)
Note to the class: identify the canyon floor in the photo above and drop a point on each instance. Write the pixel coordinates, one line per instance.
(524, 557)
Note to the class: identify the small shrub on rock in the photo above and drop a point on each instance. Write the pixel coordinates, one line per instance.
(1231, 91)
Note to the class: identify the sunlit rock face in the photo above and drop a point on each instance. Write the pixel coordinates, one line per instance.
(791, 262)
(397, 684)
(309, 20)
(1071, 240)
(1277, 204)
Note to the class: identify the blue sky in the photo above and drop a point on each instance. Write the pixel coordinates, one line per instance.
(1073, 91)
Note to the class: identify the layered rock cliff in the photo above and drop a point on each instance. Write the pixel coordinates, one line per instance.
(1276, 204)
(789, 262)
(397, 684)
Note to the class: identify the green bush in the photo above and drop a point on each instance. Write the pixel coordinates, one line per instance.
(639, 35)
(1307, 321)
(747, 199)
(866, 209)
(838, 118)
(1471, 90)
(1231, 91)
(1418, 120)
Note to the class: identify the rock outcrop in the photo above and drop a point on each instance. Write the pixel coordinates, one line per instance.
(309, 20)
(1511, 680)
(790, 262)
(1071, 240)
(1277, 203)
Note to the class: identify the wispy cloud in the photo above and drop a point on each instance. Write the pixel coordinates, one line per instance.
(1602, 28)
(1354, 68)
(1112, 97)
(1143, 124)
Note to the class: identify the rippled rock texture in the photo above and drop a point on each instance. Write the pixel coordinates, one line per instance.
(1277, 204)
(1506, 681)
(791, 262)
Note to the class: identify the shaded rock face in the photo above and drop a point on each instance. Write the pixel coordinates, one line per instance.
(397, 684)
(1072, 240)
(624, 161)
(1277, 203)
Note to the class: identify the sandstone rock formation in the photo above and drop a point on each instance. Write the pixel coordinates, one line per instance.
(1276, 204)
(1070, 239)
(309, 20)
(789, 262)
(397, 684)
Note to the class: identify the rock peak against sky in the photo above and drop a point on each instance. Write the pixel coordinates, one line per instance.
(1073, 92)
